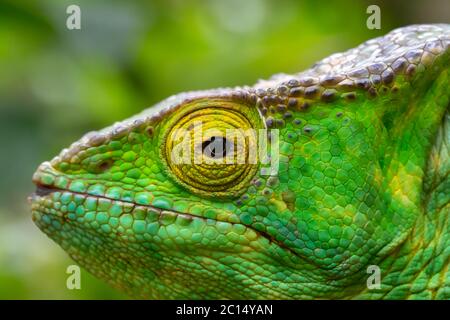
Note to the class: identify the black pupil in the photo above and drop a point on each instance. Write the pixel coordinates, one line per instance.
(216, 147)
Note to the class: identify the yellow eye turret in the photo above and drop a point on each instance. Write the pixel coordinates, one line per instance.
(211, 149)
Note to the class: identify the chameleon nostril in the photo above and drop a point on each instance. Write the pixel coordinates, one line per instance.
(105, 165)
(101, 166)
(150, 131)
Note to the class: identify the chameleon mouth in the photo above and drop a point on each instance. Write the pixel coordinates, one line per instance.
(47, 194)
(42, 203)
(42, 191)
(44, 194)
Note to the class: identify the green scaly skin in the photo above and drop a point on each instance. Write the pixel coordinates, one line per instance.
(363, 180)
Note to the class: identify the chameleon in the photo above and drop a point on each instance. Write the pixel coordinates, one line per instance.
(356, 206)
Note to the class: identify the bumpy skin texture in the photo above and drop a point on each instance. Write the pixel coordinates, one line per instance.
(363, 180)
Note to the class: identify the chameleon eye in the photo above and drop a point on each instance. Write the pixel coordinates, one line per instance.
(217, 147)
(211, 150)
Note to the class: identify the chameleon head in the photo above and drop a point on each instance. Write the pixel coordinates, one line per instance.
(344, 194)
(127, 204)
(123, 206)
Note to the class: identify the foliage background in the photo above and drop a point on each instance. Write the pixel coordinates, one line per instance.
(56, 84)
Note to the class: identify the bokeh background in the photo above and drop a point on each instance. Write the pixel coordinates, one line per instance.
(56, 84)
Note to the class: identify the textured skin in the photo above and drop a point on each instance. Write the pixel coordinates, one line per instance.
(363, 180)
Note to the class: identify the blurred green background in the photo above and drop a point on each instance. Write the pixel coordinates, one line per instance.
(56, 84)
